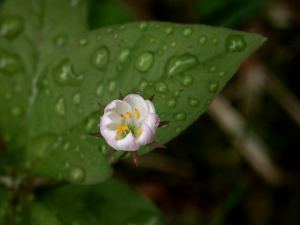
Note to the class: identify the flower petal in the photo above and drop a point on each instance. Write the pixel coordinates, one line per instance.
(128, 143)
(150, 106)
(137, 102)
(147, 135)
(119, 107)
(152, 120)
(109, 135)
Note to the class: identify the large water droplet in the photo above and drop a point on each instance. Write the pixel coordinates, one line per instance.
(187, 80)
(16, 111)
(90, 124)
(77, 174)
(179, 116)
(172, 103)
(99, 90)
(169, 30)
(64, 74)
(10, 27)
(60, 107)
(179, 64)
(143, 25)
(213, 86)
(144, 62)
(187, 32)
(76, 98)
(193, 102)
(111, 85)
(123, 55)
(83, 41)
(9, 63)
(202, 40)
(60, 40)
(161, 87)
(235, 43)
(100, 58)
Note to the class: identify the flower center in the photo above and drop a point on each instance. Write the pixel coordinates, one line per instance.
(126, 129)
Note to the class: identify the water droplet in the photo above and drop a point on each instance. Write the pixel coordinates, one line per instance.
(213, 69)
(103, 149)
(222, 74)
(99, 90)
(213, 86)
(77, 174)
(82, 156)
(7, 95)
(66, 146)
(67, 164)
(165, 47)
(83, 41)
(208, 102)
(60, 107)
(172, 103)
(90, 124)
(144, 62)
(187, 32)
(83, 136)
(10, 27)
(16, 111)
(178, 130)
(235, 43)
(165, 126)
(9, 63)
(169, 30)
(76, 98)
(187, 80)
(77, 149)
(60, 40)
(108, 30)
(173, 44)
(100, 58)
(180, 116)
(123, 55)
(161, 87)
(215, 41)
(202, 40)
(143, 85)
(143, 25)
(122, 27)
(177, 93)
(193, 102)
(160, 52)
(64, 74)
(111, 85)
(179, 64)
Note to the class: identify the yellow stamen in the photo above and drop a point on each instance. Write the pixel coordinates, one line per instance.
(124, 128)
(140, 131)
(118, 130)
(123, 117)
(129, 114)
(137, 113)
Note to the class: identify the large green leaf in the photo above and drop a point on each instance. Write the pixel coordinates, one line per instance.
(31, 32)
(111, 202)
(184, 65)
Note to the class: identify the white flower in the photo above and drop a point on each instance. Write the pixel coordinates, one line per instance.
(129, 123)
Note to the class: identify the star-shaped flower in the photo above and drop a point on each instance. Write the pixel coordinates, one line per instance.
(128, 124)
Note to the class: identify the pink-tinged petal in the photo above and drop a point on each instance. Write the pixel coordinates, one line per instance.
(152, 121)
(147, 135)
(128, 143)
(109, 135)
(137, 102)
(150, 106)
(119, 107)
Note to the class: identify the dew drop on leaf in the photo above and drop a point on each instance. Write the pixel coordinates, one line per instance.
(169, 30)
(90, 124)
(178, 130)
(179, 64)
(9, 63)
(187, 32)
(17, 89)
(165, 48)
(173, 44)
(202, 40)
(152, 40)
(187, 80)
(111, 85)
(213, 86)
(10, 27)
(165, 126)
(222, 74)
(144, 62)
(143, 25)
(60, 40)
(60, 107)
(16, 111)
(100, 58)
(99, 90)
(63, 74)
(123, 55)
(179, 116)
(161, 87)
(193, 102)
(66, 146)
(213, 69)
(76, 98)
(103, 149)
(122, 27)
(77, 174)
(77, 149)
(83, 41)
(108, 30)
(235, 43)
(67, 165)
(171, 103)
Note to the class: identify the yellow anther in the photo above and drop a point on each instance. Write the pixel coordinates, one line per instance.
(140, 131)
(118, 130)
(137, 113)
(124, 128)
(129, 114)
(123, 117)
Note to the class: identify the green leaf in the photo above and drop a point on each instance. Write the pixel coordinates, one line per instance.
(184, 65)
(4, 199)
(31, 32)
(111, 202)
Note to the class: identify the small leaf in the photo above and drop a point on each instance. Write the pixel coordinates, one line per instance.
(185, 66)
(109, 203)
